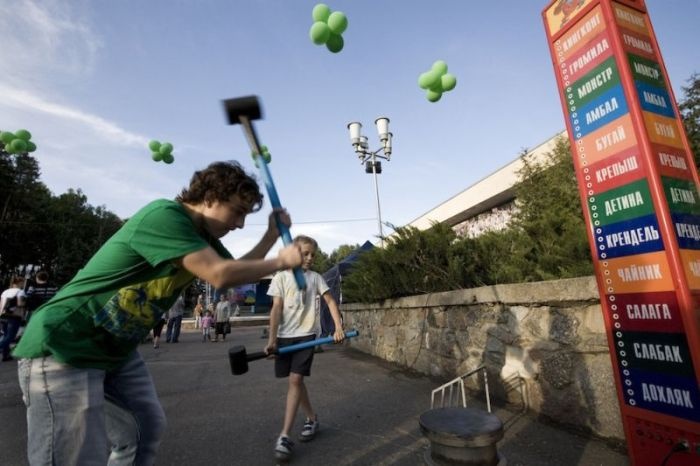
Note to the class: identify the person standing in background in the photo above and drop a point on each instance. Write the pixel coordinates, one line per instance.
(157, 330)
(207, 323)
(198, 311)
(39, 293)
(222, 316)
(172, 334)
(12, 305)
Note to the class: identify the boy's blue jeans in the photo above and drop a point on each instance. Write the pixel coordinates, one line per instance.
(90, 416)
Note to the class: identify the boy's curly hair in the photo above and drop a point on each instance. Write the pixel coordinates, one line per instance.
(218, 182)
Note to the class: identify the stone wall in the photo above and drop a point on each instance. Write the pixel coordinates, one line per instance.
(543, 340)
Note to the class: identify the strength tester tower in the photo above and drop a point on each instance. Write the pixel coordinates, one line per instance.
(639, 191)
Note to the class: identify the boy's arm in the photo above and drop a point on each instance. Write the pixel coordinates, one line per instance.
(275, 319)
(224, 273)
(339, 334)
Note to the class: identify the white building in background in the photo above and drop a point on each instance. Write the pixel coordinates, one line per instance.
(486, 205)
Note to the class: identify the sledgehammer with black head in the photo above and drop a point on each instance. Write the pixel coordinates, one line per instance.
(243, 110)
(238, 358)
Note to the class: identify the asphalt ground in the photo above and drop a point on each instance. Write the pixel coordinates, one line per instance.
(368, 411)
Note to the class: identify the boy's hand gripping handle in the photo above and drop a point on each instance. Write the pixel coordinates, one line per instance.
(271, 191)
(275, 201)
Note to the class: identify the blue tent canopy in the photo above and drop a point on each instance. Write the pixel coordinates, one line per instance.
(334, 278)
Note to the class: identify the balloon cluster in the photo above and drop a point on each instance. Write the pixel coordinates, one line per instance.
(17, 142)
(264, 153)
(436, 81)
(161, 151)
(328, 27)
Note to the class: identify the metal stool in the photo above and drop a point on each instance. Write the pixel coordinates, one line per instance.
(462, 436)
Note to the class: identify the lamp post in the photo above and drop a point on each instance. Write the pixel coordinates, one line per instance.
(368, 158)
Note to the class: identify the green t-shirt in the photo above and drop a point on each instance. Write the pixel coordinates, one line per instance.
(111, 304)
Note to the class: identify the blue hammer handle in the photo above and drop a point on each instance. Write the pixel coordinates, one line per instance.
(316, 342)
(275, 201)
(254, 144)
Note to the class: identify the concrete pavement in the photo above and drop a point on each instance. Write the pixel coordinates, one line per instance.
(368, 410)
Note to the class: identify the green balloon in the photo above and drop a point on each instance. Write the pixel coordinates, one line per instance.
(23, 134)
(154, 145)
(335, 43)
(428, 79)
(165, 148)
(440, 67)
(7, 137)
(448, 82)
(156, 156)
(437, 87)
(337, 22)
(433, 96)
(31, 147)
(264, 153)
(19, 145)
(321, 12)
(168, 158)
(319, 33)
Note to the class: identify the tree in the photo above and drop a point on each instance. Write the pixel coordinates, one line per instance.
(550, 219)
(78, 231)
(341, 252)
(689, 108)
(321, 262)
(546, 240)
(414, 262)
(57, 233)
(23, 199)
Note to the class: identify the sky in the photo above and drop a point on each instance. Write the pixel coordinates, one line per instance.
(95, 80)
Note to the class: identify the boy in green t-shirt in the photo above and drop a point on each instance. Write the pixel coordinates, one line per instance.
(84, 383)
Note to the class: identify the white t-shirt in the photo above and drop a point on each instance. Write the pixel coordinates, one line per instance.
(300, 312)
(9, 294)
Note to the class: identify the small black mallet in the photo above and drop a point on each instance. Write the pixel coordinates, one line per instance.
(238, 358)
(243, 110)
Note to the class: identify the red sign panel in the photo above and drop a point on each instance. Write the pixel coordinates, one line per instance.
(639, 190)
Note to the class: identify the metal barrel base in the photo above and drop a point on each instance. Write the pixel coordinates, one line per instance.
(462, 436)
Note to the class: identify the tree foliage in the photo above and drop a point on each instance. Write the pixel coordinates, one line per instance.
(59, 233)
(341, 252)
(321, 262)
(413, 262)
(550, 218)
(689, 107)
(546, 239)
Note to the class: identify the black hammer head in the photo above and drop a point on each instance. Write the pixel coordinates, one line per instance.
(238, 359)
(248, 106)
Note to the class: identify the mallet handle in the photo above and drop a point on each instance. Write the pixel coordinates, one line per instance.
(272, 192)
(299, 346)
(256, 355)
(316, 342)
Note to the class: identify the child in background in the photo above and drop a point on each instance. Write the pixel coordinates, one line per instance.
(294, 319)
(207, 324)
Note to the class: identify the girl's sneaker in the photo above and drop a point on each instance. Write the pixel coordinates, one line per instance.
(310, 429)
(283, 448)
